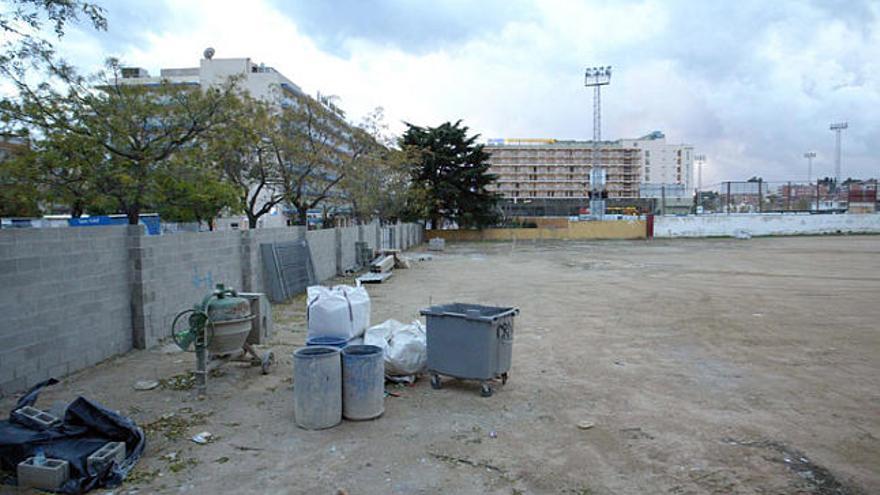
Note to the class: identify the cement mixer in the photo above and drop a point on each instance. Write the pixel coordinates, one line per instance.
(218, 330)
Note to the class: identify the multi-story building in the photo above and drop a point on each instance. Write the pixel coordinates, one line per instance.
(663, 163)
(547, 168)
(261, 82)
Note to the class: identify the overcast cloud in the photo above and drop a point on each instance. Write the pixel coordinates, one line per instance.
(752, 84)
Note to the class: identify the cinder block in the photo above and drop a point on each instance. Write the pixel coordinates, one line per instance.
(36, 417)
(110, 452)
(48, 476)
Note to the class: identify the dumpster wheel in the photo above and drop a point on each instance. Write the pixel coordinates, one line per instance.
(486, 390)
(504, 378)
(436, 384)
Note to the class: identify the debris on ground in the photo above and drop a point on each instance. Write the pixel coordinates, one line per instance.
(202, 438)
(146, 384)
(182, 381)
(585, 425)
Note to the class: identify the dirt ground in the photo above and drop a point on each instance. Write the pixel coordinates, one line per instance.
(705, 366)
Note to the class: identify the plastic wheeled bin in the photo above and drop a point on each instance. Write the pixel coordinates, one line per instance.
(470, 342)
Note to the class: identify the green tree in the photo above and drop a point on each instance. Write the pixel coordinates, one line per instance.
(136, 129)
(377, 180)
(451, 175)
(313, 146)
(22, 23)
(242, 148)
(190, 192)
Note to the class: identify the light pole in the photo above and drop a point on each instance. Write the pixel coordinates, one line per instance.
(809, 156)
(596, 77)
(700, 159)
(837, 127)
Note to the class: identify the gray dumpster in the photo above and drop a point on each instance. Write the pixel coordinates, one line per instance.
(469, 341)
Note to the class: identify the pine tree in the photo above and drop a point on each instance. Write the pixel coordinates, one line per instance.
(451, 174)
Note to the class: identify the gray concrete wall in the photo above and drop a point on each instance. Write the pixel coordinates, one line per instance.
(322, 246)
(64, 301)
(72, 297)
(348, 238)
(178, 270)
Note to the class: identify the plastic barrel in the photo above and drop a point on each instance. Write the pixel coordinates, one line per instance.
(325, 340)
(363, 382)
(317, 387)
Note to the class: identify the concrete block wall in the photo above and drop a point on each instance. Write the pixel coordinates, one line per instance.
(64, 300)
(179, 270)
(72, 297)
(322, 246)
(722, 225)
(348, 238)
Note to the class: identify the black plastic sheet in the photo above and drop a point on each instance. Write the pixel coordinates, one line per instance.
(85, 428)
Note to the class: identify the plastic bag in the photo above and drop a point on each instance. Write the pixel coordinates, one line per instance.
(405, 346)
(341, 311)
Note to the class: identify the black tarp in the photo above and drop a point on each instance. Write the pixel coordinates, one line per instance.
(85, 428)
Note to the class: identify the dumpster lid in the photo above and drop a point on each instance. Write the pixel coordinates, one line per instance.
(470, 311)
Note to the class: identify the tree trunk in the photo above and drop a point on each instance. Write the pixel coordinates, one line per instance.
(134, 216)
(252, 220)
(302, 217)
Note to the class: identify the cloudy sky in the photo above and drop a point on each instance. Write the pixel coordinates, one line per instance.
(752, 84)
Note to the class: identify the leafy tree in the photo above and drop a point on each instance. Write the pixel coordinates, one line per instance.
(377, 179)
(314, 149)
(451, 175)
(242, 149)
(189, 192)
(137, 129)
(22, 23)
(18, 196)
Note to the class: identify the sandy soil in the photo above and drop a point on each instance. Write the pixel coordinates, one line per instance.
(705, 366)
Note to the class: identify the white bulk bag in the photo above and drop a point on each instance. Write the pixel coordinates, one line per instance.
(405, 346)
(341, 311)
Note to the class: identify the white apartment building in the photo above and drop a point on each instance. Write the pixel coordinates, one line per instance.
(259, 80)
(663, 163)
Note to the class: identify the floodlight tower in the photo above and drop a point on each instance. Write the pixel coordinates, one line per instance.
(837, 128)
(596, 77)
(700, 159)
(809, 156)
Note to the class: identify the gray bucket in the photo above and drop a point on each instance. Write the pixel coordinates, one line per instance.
(363, 382)
(317, 387)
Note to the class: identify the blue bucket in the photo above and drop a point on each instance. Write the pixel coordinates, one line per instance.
(337, 342)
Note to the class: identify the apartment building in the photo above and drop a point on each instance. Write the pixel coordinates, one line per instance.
(262, 82)
(549, 169)
(664, 164)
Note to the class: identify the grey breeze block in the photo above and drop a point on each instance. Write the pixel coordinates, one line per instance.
(36, 417)
(110, 452)
(49, 476)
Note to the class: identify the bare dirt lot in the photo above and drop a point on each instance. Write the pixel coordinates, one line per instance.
(705, 366)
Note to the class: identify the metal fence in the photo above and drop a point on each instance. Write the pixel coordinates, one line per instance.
(760, 196)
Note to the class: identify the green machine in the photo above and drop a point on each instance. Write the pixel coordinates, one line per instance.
(218, 330)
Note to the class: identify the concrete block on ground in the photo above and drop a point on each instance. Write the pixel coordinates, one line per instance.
(109, 453)
(49, 476)
(33, 416)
